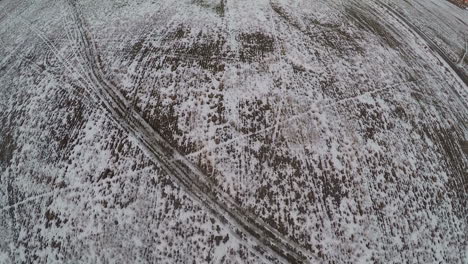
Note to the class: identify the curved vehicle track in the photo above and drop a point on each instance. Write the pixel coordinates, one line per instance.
(463, 78)
(252, 231)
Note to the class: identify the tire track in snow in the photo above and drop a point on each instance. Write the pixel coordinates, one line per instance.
(456, 71)
(252, 231)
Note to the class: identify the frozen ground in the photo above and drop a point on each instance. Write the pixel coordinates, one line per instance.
(221, 131)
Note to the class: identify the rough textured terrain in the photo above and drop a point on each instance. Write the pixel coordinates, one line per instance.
(222, 131)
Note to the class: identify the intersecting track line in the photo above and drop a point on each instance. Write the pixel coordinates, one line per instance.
(259, 236)
(55, 51)
(252, 231)
(321, 105)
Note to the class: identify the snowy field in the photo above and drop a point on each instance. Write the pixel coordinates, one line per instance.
(222, 131)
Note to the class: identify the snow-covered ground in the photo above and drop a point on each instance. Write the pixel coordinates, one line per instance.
(221, 131)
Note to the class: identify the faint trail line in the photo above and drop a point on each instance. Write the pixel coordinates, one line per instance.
(321, 105)
(38, 196)
(352, 98)
(198, 58)
(254, 232)
(462, 59)
(228, 142)
(76, 53)
(61, 191)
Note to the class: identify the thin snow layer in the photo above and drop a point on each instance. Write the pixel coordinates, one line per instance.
(446, 24)
(334, 123)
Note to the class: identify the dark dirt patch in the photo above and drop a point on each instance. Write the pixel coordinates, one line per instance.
(459, 4)
(448, 141)
(284, 13)
(372, 120)
(7, 147)
(71, 124)
(366, 22)
(135, 49)
(207, 50)
(208, 55)
(254, 115)
(107, 173)
(165, 120)
(464, 146)
(217, 8)
(220, 8)
(180, 32)
(255, 45)
(7, 141)
(52, 217)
